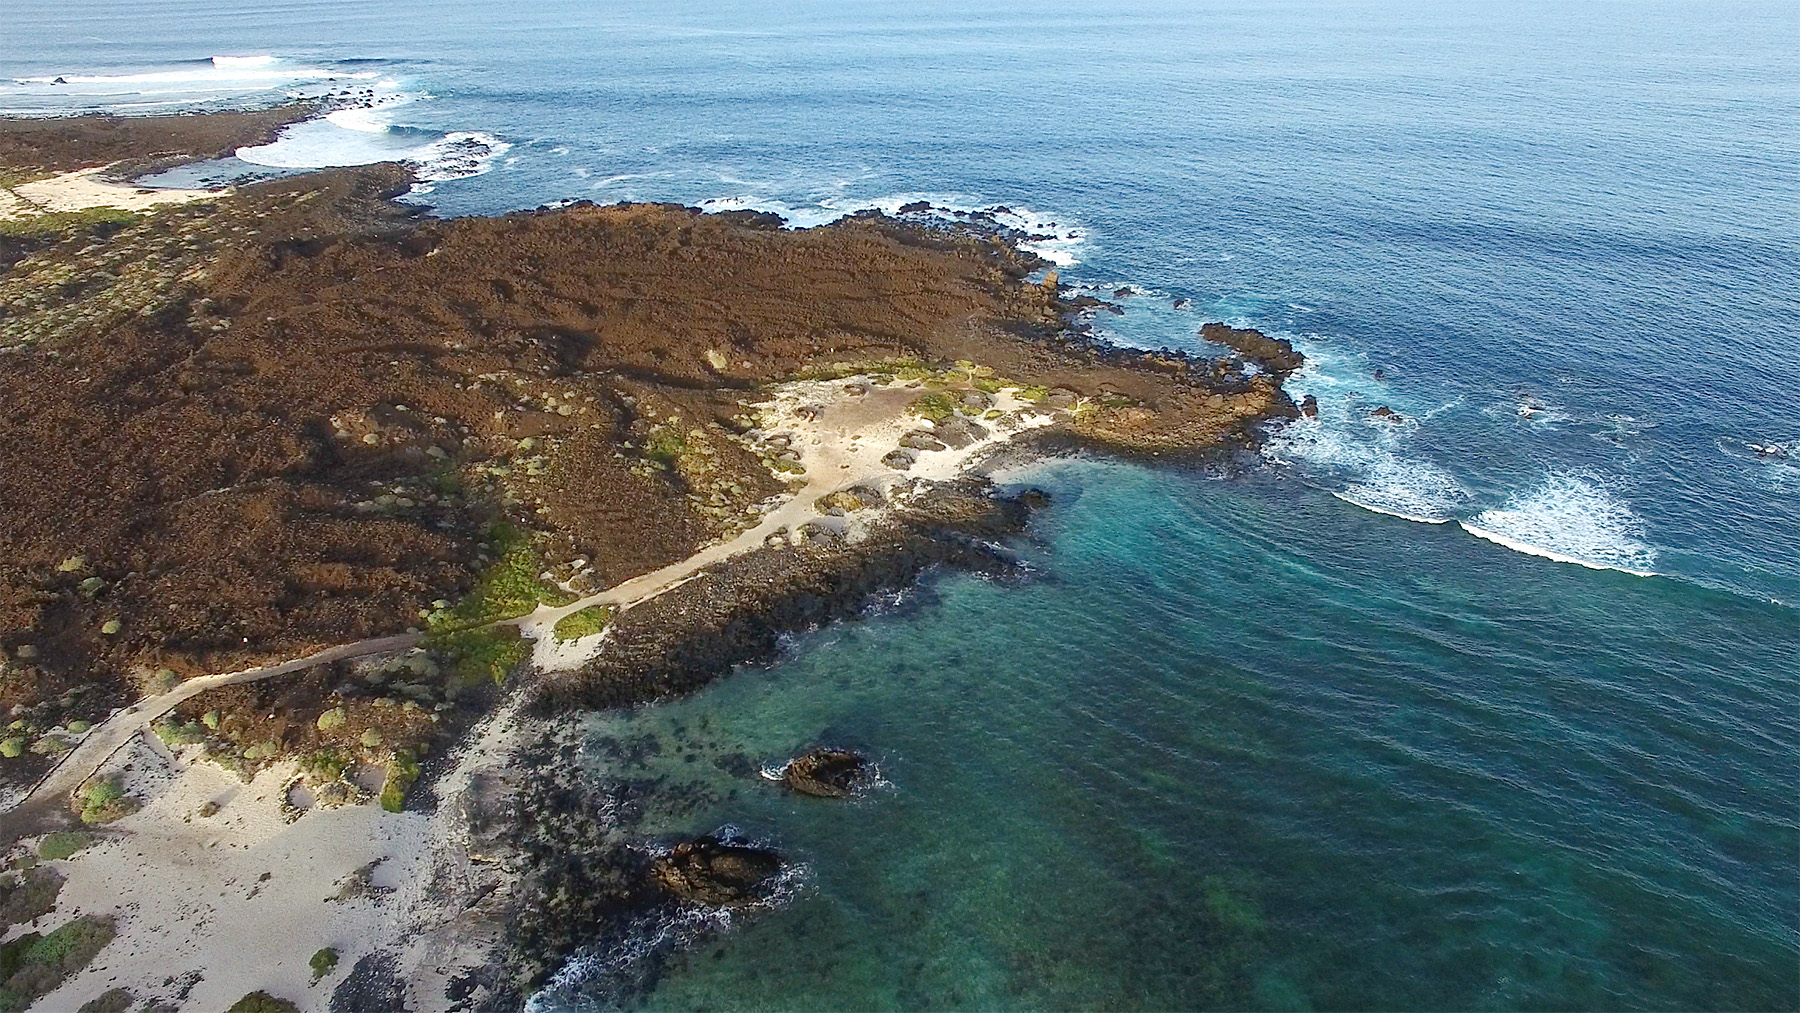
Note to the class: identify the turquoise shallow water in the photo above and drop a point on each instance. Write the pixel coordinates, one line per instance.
(1254, 743)
(1427, 774)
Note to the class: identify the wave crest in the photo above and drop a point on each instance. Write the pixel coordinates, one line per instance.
(1570, 519)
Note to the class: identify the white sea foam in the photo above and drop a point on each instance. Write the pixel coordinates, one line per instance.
(363, 135)
(1572, 519)
(221, 77)
(1053, 237)
(1361, 462)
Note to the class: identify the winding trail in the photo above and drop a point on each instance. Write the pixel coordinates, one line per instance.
(840, 448)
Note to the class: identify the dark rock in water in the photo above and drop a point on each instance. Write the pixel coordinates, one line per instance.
(916, 207)
(1310, 407)
(826, 773)
(959, 432)
(921, 440)
(1034, 499)
(1180, 303)
(899, 460)
(1381, 374)
(709, 871)
(1120, 293)
(1273, 354)
(1386, 414)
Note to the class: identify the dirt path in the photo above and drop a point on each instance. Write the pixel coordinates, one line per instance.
(841, 446)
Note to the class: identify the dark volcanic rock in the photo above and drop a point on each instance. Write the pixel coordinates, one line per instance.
(826, 773)
(1273, 354)
(899, 460)
(709, 871)
(1310, 407)
(921, 440)
(959, 432)
(1386, 414)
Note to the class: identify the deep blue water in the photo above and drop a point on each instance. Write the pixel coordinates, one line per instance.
(1263, 742)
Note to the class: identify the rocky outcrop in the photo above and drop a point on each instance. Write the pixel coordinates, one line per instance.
(1273, 354)
(826, 773)
(697, 631)
(711, 872)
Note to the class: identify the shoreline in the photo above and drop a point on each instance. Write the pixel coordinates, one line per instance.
(824, 493)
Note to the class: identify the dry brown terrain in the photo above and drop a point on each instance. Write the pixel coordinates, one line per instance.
(239, 430)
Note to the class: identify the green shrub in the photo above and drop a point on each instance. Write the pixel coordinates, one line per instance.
(370, 738)
(325, 765)
(936, 407)
(78, 726)
(63, 221)
(333, 718)
(211, 720)
(262, 1002)
(478, 655)
(510, 588)
(34, 964)
(12, 747)
(402, 772)
(104, 801)
(62, 844)
(323, 963)
(665, 446)
(176, 734)
(583, 623)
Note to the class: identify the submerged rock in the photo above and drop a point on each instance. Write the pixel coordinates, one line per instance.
(826, 773)
(709, 871)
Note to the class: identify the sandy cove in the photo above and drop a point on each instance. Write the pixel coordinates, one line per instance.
(86, 189)
(246, 895)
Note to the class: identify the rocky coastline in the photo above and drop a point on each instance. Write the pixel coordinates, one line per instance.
(302, 414)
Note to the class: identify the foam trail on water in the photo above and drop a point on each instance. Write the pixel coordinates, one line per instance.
(1361, 461)
(221, 77)
(1572, 520)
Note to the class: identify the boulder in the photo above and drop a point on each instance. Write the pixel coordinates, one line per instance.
(899, 460)
(959, 432)
(921, 440)
(1386, 414)
(711, 872)
(826, 773)
(1310, 407)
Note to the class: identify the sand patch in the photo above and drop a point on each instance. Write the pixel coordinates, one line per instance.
(83, 190)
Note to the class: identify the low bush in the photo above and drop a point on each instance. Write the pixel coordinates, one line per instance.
(62, 844)
(402, 772)
(584, 623)
(323, 963)
(34, 964)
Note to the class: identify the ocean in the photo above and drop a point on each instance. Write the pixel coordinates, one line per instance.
(1494, 706)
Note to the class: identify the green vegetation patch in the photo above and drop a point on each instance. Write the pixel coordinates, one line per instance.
(13, 746)
(665, 446)
(936, 407)
(486, 654)
(323, 963)
(175, 733)
(584, 623)
(104, 801)
(402, 772)
(508, 589)
(262, 1002)
(62, 844)
(64, 221)
(34, 964)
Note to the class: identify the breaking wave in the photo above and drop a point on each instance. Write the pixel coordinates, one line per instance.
(1052, 237)
(369, 133)
(219, 78)
(1570, 519)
